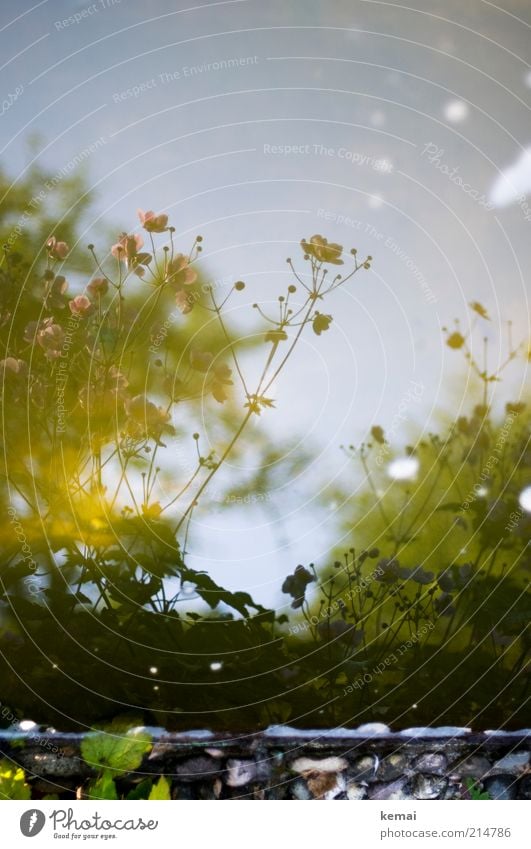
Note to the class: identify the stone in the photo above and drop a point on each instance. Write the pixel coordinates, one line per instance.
(426, 786)
(392, 790)
(326, 785)
(476, 766)
(501, 786)
(47, 764)
(513, 762)
(309, 765)
(240, 773)
(433, 762)
(364, 768)
(453, 791)
(393, 766)
(194, 769)
(299, 790)
(356, 790)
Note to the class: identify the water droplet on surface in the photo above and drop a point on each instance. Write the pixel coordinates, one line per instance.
(403, 469)
(456, 111)
(378, 118)
(524, 499)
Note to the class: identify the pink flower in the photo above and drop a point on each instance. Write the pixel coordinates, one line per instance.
(80, 305)
(201, 360)
(127, 247)
(184, 301)
(127, 250)
(179, 272)
(98, 287)
(13, 367)
(146, 419)
(151, 222)
(51, 337)
(57, 250)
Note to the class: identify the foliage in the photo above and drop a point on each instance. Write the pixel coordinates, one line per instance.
(426, 620)
(474, 791)
(12, 782)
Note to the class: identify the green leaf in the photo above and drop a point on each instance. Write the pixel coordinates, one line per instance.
(12, 782)
(213, 594)
(475, 791)
(161, 790)
(120, 751)
(141, 791)
(103, 787)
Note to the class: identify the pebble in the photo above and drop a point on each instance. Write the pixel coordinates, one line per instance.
(393, 790)
(356, 790)
(501, 786)
(513, 762)
(434, 762)
(299, 790)
(332, 764)
(429, 786)
(364, 768)
(476, 766)
(194, 769)
(49, 764)
(240, 773)
(393, 766)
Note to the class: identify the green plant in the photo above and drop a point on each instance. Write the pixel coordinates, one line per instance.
(13, 781)
(474, 791)
(115, 752)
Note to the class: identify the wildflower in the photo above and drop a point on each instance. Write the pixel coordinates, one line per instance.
(222, 378)
(389, 571)
(56, 250)
(295, 585)
(54, 297)
(12, 368)
(421, 576)
(98, 287)
(515, 407)
(152, 223)
(321, 323)
(179, 274)
(127, 250)
(322, 250)
(184, 301)
(51, 337)
(146, 419)
(201, 360)
(339, 630)
(80, 305)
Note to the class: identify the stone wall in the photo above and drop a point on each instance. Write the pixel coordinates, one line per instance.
(283, 763)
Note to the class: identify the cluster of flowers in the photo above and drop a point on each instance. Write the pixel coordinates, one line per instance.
(107, 388)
